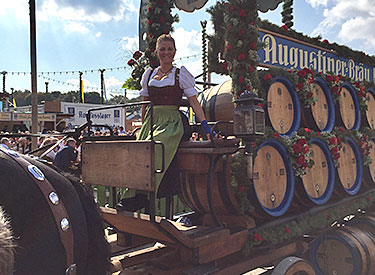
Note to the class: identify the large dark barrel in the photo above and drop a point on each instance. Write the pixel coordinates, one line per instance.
(318, 183)
(369, 171)
(293, 265)
(365, 223)
(350, 167)
(321, 115)
(273, 178)
(283, 106)
(348, 251)
(217, 102)
(194, 168)
(368, 120)
(348, 113)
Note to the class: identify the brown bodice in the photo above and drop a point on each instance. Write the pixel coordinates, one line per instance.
(167, 95)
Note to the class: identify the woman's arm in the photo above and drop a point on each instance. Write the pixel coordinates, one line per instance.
(199, 114)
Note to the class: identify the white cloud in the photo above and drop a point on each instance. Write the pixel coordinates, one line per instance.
(351, 20)
(187, 42)
(19, 8)
(113, 82)
(76, 27)
(315, 3)
(98, 34)
(129, 44)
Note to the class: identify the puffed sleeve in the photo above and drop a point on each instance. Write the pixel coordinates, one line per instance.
(145, 77)
(187, 82)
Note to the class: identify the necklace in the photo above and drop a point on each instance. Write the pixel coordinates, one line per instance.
(166, 72)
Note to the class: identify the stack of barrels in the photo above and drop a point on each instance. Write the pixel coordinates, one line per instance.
(274, 182)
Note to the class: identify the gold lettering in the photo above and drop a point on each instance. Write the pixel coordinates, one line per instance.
(303, 59)
(283, 61)
(360, 73)
(313, 61)
(351, 69)
(367, 74)
(338, 67)
(330, 64)
(270, 48)
(293, 57)
(344, 69)
(319, 55)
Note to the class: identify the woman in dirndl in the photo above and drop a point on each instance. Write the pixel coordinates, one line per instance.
(164, 86)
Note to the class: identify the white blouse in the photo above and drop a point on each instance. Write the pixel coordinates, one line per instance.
(186, 82)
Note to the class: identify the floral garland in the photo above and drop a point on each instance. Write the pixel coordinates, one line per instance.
(307, 223)
(332, 140)
(334, 83)
(360, 87)
(362, 139)
(138, 63)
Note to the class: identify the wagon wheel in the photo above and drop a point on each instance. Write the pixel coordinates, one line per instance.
(293, 266)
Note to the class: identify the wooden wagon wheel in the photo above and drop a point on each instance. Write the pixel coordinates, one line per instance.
(293, 266)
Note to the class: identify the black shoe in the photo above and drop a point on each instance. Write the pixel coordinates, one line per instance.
(133, 204)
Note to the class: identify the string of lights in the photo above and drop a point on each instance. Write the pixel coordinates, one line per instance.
(73, 72)
(188, 57)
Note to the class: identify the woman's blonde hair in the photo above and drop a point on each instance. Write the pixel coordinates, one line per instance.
(164, 38)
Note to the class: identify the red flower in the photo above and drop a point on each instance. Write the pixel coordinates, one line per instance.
(224, 65)
(260, 105)
(257, 237)
(241, 56)
(285, 27)
(276, 135)
(241, 79)
(306, 149)
(335, 90)
(338, 140)
(301, 73)
(149, 22)
(131, 62)
(297, 148)
(241, 188)
(310, 95)
(267, 77)
(311, 80)
(341, 130)
(336, 156)
(253, 45)
(231, 8)
(305, 165)
(334, 150)
(248, 87)
(300, 86)
(251, 69)
(253, 23)
(308, 71)
(287, 230)
(254, 145)
(318, 134)
(240, 33)
(330, 78)
(229, 47)
(325, 41)
(332, 140)
(149, 8)
(368, 198)
(162, 19)
(242, 13)
(137, 54)
(301, 141)
(301, 160)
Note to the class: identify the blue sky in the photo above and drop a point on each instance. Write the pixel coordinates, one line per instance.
(79, 35)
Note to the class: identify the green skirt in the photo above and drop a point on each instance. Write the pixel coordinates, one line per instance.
(168, 129)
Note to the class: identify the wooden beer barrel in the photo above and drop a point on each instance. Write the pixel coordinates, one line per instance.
(194, 168)
(217, 102)
(318, 183)
(350, 167)
(369, 171)
(293, 265)
(365, 223)
(273, 178)
(348, 113)
(347, 251)
(321, 115)
(283, 106)
(369, 119)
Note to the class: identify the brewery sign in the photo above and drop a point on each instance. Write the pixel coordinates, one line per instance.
(289, 53)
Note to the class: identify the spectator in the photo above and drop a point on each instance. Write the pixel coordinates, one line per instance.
(122, 132)
(5, 142)
(51, 154)
(66, 156)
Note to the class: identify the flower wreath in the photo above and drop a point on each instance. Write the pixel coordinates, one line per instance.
(362, 139)
(138, 63)
(360, 87)
(334, 83)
